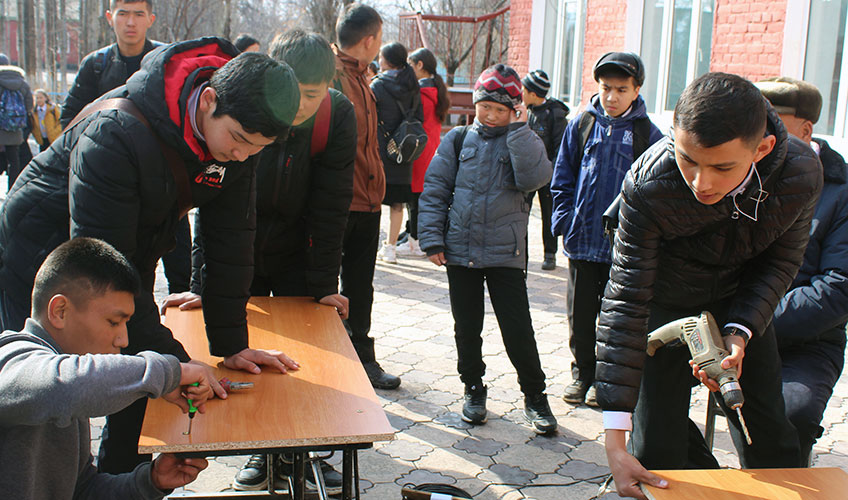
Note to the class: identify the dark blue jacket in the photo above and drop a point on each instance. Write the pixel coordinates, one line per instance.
(816, 306)
(583, 193)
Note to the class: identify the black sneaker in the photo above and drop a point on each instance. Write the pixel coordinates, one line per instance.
(253, 475)
(474, 409)
(332, 479)
(379, 378)
(575, 393)
(549, 264)
(538, 413)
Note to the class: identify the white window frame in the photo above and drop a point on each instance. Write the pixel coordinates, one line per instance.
(558, 72)
(633, 42)
(795, 52)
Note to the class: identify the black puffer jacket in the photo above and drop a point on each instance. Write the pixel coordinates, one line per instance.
(107, 178)
(395, 89)
(302, 203)
(99, 72)
(680, 254)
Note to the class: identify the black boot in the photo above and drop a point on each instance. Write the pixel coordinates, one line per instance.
(474, 409)
(379, 378)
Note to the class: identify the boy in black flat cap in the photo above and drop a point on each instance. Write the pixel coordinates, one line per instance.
(597, 150)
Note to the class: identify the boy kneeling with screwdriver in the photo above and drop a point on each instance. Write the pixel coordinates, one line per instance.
(715, 217)
(65, 367)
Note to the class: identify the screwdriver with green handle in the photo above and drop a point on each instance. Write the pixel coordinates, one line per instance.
(191, 411)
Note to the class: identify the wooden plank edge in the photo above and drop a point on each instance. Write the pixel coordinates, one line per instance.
(259, 445)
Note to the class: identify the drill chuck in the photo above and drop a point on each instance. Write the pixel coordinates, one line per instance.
(731, 392)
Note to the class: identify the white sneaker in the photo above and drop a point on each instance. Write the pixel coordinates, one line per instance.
(387, 253)
(410, 249)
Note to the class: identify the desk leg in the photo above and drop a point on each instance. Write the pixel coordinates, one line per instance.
(270, 472)
(347, 474)
(356, 472)
(298, 473)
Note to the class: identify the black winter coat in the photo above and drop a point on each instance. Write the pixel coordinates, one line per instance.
(96, 76)
(815, 310)
(548, 120)
(395, 89)
(107, 178)
(673, 251)
(302, 204)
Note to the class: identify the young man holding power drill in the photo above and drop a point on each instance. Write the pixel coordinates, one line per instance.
(714, 218)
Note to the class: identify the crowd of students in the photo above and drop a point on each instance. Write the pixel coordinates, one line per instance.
(287, 159)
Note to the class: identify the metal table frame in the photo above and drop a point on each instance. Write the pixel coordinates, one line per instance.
(297, 485)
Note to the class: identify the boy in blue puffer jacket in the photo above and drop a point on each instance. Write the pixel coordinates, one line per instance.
(472, 219)
(597, 149)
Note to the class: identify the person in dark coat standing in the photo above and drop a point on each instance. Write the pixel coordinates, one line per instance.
(714, 219)
(434, 104)
(13, 79)
(810, 319)
(107, 177)
(359, 32)
(397, 92)
(548, 118)
(108, 68)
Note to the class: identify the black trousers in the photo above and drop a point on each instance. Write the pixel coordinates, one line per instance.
(546, 201)
(359, 256)
(412, 213)
(508, 291)
(809, 373)
(118, 451)
(665, 438)
(583, 293)
(13, 162)
(177, 262)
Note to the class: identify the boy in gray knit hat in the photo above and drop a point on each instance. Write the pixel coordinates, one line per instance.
(548, 118)
(472, 218)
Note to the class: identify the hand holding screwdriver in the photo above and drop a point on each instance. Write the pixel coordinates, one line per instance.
(195, 385)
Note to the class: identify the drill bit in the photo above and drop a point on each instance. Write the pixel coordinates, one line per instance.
(743, 425)
(229, 385)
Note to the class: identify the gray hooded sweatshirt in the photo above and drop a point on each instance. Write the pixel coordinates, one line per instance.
(46, 399)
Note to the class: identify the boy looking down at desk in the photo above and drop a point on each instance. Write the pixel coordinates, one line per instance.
(65, 366)
(714, 218)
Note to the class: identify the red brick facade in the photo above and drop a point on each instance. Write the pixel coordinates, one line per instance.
(748, 37)
(520, 15)
(606, 21)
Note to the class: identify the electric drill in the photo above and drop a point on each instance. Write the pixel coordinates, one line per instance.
(706, 346)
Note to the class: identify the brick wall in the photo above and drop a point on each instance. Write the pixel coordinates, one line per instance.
(748, 37)
(606, 21)
(518, 55)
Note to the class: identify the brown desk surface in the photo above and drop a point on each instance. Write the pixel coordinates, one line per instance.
(329, 401)
(759, 484)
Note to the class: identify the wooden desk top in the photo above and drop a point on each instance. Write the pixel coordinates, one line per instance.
(329, 401)
(752, 484)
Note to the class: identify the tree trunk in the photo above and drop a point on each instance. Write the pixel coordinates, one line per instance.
(105, 35)
(29, 39)
(228, 20)
(4, 44)
(51, 42)
(63, 48)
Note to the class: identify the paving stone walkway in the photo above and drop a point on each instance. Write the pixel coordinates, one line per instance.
(503, 459)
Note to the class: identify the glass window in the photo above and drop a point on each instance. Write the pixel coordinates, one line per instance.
(680, 31)
(652, 21)
(824, 57)
(549, 45)
(568, 55)
(675, 46)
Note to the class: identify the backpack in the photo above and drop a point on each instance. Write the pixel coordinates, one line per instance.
(641, 134)
(13, 114)
(321, 127)
(407, 142)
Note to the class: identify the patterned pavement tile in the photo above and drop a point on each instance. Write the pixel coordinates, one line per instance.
(507, 474)
(580, 470)
(405, 449)
(485, 447)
